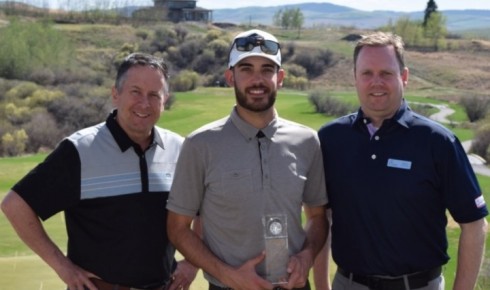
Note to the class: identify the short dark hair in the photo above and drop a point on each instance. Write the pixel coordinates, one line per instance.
(382, 39)
(141, 59)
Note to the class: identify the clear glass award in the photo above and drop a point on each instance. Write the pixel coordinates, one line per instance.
(276, 248)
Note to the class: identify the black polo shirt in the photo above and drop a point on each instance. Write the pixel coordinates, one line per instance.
(114, 198)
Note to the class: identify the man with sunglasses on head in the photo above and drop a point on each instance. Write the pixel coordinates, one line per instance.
(236, 170)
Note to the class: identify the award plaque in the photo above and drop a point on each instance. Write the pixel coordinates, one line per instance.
(276, 248)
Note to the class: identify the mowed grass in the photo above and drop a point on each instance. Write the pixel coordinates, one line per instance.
(21, 269)
(203, 105)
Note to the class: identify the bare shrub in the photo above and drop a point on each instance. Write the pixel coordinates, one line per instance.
(214, 34)
(14, 143)
(15, 114)
(476, 107)
(294, 70)
(5, 86)
(186, 53)
(185, 81)
(143, 34)
(72, 114)
(216, 79)
(42, 76)
(78, 75)
(316, 99)
(5, 127)
(163, 39)
(481, 143)
(220, 48)
(328, 105)
(315, 63)
(287, 51)
(296, 77)
(170, 101)
(181, 32)
(43, 132)
(21, 91)
(422, 109)
(299, 83)
(204, 62)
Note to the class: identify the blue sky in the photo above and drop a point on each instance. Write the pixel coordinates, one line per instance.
(368, 5)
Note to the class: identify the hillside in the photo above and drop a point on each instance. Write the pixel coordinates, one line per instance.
(475, 22)
(451, 74)
(326, 14)
(446, 75)
(463, 68)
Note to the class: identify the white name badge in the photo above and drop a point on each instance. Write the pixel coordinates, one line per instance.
(401, 164)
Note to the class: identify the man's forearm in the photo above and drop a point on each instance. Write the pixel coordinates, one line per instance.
(470, 254)
(29, 228)
(316, 229)
(190, 245)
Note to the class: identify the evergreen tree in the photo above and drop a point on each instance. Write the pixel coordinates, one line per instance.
(431, 8)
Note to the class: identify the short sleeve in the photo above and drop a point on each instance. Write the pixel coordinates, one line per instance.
(54, 184)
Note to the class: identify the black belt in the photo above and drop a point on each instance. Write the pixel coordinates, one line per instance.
(214, 287)
(415, 280)
(103, 285)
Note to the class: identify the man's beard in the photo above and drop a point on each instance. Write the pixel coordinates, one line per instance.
(241, 99)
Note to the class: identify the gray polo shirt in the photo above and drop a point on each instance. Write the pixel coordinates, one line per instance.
(232, 182)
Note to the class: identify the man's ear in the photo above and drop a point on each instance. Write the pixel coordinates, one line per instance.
(229, 77)
(281, 74)
(405, 74)
(114, 96)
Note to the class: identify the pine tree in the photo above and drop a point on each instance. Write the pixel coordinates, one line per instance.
(431, 8)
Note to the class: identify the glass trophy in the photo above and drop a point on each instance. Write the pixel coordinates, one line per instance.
(276, 248)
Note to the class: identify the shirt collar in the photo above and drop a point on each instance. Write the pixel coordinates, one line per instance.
(403, 116)
(122, 139)
(248, 131)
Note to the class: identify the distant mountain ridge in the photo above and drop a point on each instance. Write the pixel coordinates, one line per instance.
(317, 14)
(327, 14)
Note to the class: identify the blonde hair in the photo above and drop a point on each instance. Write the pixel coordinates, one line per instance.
(382, 39)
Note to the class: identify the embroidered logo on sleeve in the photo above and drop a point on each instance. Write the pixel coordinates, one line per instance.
(480, 201)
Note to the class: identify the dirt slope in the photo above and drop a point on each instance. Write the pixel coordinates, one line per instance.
(449, 75)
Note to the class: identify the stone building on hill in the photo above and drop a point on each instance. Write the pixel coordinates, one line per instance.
(183, 10)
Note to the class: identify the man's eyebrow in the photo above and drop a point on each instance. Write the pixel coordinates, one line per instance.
(244, 64)
(268, 65)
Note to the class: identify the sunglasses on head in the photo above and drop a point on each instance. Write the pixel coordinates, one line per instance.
(248, 43)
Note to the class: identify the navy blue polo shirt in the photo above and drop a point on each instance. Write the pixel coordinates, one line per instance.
(389, 193)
